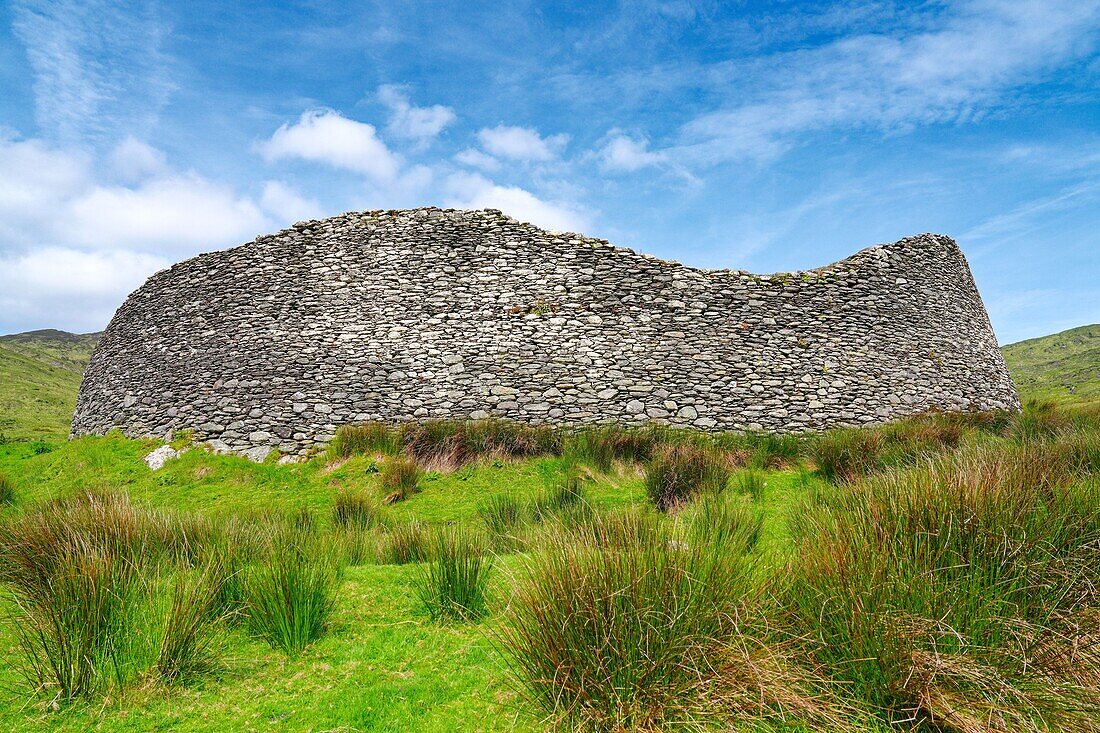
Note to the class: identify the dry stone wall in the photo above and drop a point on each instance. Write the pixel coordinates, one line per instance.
(429, 313)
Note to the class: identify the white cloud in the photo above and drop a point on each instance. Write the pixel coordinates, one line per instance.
(134, 160)
(288, 206)
(472, 191)
(622, 153)
(409, 121)
(325, 136)
(34, 178)
(60, 271)
(477, 159)
(58, 287)
(521, 143)
(71, 246)
(183, 212)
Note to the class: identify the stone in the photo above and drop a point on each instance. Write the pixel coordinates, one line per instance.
(437, 313)
(687, 413)
(162, 455)
(258, 454)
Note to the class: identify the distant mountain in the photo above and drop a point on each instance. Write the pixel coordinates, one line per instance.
(40, 375)
(1064, 366)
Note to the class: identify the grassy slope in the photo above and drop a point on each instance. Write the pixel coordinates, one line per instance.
(39, 377)
(1064, 366)
(385, 665)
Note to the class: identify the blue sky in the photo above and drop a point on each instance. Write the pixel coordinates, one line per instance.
(759, 136)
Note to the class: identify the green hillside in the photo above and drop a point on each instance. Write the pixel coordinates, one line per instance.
(39, 377)
(1064, 367)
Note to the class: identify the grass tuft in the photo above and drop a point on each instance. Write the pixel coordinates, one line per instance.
(954, 591)
(364, 439)
(752, 482)
(290, 593)
(454, 586)
(400, 478)
(676, 473)
(7, 490)
(626, 627)
(405, 543)
(352, 508)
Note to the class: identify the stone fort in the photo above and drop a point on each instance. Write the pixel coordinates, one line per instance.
(439, 313)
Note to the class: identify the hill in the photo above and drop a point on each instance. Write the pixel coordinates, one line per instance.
(40, 375)
(1064, 367)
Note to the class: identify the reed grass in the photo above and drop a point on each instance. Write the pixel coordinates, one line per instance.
(678, 472)
(290, 594)
(405, 543)
(7, 490)
(355, 508)
(400, 478)
(454, 585)
(363, 439)
(104, 594)
(955, 591)
(625, 626)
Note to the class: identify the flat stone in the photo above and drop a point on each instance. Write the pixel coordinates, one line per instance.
(258, 454)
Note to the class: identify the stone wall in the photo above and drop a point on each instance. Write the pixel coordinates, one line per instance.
(429, 313)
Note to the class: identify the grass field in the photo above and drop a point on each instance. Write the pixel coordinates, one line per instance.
(383, 663)
(383, 666)
(935, 574)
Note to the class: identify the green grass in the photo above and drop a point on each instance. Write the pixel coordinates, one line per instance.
(383, 664)
(1064, 367)
(454, 583)
(380, 662)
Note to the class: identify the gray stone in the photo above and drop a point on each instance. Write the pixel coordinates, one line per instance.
(687, 413)
(429, 313)
(162, 455)
(258, 454)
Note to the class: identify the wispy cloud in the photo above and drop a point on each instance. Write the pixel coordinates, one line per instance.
(1023, 219)
(959, 70)
(100, 71)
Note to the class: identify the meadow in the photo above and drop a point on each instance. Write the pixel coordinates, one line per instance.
(934, 574)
